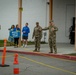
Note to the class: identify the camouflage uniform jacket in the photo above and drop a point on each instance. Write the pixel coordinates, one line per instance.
(37, 32)
(52, 34)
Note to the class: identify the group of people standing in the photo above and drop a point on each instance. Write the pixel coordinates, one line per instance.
(14, 35)
(37, 35)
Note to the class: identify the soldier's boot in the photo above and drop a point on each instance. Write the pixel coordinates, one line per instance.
(35, 50)
(51, 50)
(55, 50)
(38, 49)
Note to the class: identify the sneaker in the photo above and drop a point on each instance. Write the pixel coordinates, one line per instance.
(25, 46)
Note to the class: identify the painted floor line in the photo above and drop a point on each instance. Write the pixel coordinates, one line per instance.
(48, 65)
(6, 56)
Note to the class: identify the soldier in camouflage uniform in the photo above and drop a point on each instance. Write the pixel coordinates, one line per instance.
(37, 33)
(52, 36)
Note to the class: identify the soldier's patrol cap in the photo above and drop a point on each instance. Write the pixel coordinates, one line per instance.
(37, 22)
(51, 21)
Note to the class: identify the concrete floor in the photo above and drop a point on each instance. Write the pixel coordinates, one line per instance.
(38, 65)
(62, 48)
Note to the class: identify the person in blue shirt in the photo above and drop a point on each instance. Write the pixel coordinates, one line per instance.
(11, 39)
(25, 31)
(16, 35)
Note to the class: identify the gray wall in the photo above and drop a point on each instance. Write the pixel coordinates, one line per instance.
(33, 11)
(63, 14)
(8, 16)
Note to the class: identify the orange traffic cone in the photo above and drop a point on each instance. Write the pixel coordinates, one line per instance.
(16, 65)
(4, 55)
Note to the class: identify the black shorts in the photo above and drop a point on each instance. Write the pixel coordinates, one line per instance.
(25, 37)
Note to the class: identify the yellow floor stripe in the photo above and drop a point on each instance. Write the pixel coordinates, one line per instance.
(6, 56)
(48, 65)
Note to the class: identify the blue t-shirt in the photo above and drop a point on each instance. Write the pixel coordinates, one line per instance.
(25, 30)
(15, 33)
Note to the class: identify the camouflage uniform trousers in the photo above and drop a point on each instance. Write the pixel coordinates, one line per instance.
(37, 43)
(52, 45)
